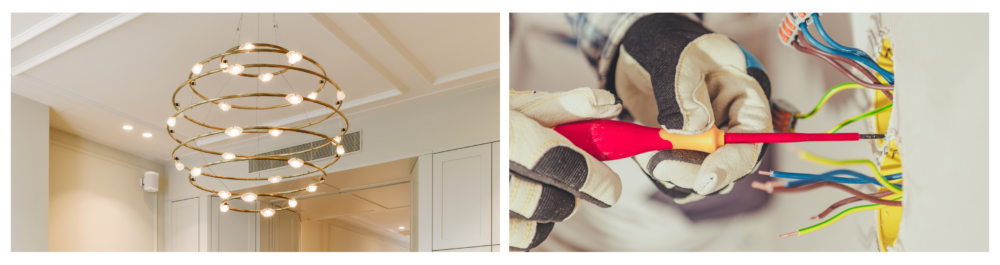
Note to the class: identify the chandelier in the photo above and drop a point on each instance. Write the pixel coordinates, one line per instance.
(238, 71)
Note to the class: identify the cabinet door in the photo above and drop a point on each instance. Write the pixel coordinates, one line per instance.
(472, 249)
(495, 183)
(462, 198)
(184, 231)
(232, 231)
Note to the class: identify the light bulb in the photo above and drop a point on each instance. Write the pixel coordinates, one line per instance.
(267, 212)
(223, 65)
(236, 69)
(313, 95)
(340, 149)
(294, 57)
(274, 179)
(248, 197)
(401, 228)
(228, 155)
(295, 162)
(234, 131)
(266, 77)
(196, 69)
(293, 98)
(225, 106)
(311, 188)
(292, 203)
(179, 165)
(196, 172)
(336, 139)
(341, 95)
(127, 127)
(224, 207)
(225, 195)
(247, 46)
(147, 135)
(275, 132)
(170, 122)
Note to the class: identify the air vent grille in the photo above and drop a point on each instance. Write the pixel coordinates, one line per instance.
(351, 141)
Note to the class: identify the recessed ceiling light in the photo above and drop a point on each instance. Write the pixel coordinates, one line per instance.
(147, 135)
(401, 228)
(127, 127)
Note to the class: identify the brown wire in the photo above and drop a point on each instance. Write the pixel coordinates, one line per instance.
(841, 187)
(829, 58)
(850, 200)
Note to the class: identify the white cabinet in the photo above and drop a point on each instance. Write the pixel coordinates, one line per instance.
(232, 231)
(462, 198)
(497, 212)
(285, 229)
(183, 226)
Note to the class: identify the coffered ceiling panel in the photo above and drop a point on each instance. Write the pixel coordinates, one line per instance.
(100, 71)
(447, 43)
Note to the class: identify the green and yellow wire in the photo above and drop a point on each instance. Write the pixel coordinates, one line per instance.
(859, 117)
(839, 216)
(829, 93)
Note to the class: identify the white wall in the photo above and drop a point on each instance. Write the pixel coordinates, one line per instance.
(96, 201)
(29, 212)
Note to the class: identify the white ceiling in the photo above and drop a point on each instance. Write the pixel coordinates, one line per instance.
(99, 72)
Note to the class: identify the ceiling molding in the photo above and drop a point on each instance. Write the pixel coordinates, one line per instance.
(308, 115)
(39, 28)
(73, 42)
(467, 73)
(66, 93)
(360, 51)
(398, 46)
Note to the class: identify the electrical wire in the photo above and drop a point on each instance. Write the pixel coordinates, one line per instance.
(875, 170)
(859, 117)
(775, 187)
(804, 47)
(834, 44)
(829, 93)
(835, 218)
(865, 61)
(848, 201)
(804, 179)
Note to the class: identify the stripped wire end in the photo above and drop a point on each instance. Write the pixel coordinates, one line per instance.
(767, 186)
(765, 172)
(789, 234)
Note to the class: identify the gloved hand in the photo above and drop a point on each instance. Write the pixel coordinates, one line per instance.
(549, 176)
(674, 73)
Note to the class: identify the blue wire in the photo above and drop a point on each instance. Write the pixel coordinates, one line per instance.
(834, 44)
(803, 179)
(866, 61)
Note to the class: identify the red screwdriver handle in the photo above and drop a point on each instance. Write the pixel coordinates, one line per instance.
(611, 140)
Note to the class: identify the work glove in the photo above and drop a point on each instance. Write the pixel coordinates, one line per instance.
(672, 72)
(549, 176)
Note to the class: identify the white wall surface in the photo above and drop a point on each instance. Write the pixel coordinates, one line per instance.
(29, 149)
(96, 202)
(943, 92)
